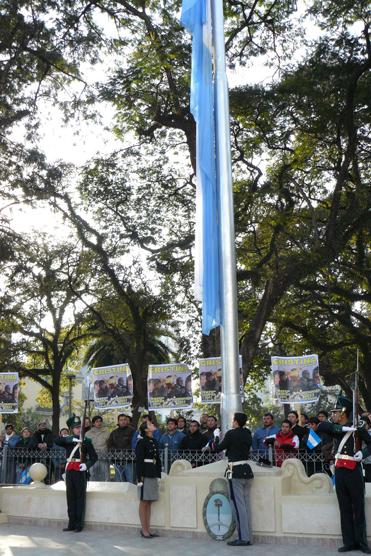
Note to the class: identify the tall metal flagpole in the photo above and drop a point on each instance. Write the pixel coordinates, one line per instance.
(231, 398)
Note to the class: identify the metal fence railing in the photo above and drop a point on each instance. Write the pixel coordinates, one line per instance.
(313, 461)
(119, 465)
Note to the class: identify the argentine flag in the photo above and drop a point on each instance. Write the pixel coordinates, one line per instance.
(196, 18)
(313, 439)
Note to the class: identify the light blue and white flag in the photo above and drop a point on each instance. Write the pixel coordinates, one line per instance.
(196, 18)
(313, 440)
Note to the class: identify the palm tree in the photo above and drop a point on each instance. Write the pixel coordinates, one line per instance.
(130, 333)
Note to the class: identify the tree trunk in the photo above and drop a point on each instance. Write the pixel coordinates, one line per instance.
(56, 402)
(274, 289)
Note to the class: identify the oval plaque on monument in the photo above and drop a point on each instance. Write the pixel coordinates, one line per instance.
(218, 516)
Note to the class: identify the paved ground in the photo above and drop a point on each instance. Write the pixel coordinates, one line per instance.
(30, 540)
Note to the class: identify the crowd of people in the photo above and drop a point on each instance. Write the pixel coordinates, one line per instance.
(337, 441)
(271, 444)
(291, 438)
(115, 449)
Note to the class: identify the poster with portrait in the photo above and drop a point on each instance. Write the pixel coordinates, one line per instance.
(296, 379)
(9, 390)
(112, 386)
(169, 386)
(211, 379)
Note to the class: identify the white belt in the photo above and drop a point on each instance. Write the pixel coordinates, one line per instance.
(344, 456)
(232, 464)
(149, 461)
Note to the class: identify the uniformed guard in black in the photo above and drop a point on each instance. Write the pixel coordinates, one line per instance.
(76, 473)
(148, 465)
(237, 444)
(148, 461)
(349, 482)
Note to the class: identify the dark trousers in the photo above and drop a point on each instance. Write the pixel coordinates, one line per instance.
(351, 497)
(76, 495)
(367, 468)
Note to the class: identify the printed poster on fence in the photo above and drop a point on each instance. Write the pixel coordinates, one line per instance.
(113, 386)
(296, 379)
(211, 379)
(9, 390)
(169, 386)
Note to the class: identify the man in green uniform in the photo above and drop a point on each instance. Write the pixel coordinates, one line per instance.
(349, 484)
(80, 457)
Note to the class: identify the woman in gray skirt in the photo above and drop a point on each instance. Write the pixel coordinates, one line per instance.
(148, 464)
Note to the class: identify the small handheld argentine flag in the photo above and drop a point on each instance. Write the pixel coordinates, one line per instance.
(313, 439)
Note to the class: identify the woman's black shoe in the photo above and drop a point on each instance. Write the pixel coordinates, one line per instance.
(145, 536)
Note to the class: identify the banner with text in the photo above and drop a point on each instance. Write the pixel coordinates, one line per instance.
(169, 386)
(113, 386)
(9, 390)
(211, 379)
(296, 379)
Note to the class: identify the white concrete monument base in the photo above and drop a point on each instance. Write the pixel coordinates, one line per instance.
(286, 504)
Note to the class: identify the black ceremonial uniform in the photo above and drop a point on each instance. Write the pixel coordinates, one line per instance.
(76, 480)
(148, 462)
(237, 444)
(349, 486)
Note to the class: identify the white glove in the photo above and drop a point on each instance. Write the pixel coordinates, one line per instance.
(348, 429)
(83, 467)
(139, 484)
(358, 456)
(75, 439)
(216, 433)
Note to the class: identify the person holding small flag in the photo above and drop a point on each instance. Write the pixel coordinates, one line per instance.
(319, 445)
(312, 443)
